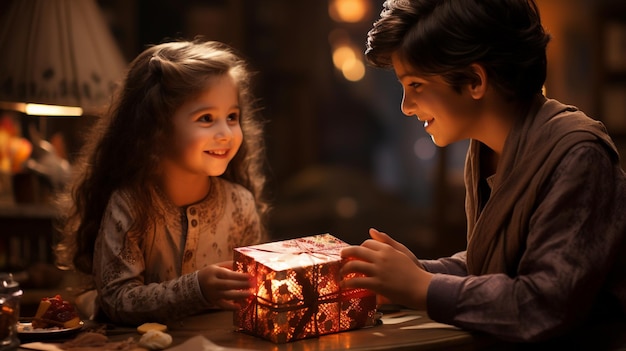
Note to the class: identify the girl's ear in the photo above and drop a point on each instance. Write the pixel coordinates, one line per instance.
(478, 87)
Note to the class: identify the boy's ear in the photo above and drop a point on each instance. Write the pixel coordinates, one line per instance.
(478, 87)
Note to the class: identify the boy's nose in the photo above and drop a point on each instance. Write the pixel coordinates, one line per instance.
(408, 107)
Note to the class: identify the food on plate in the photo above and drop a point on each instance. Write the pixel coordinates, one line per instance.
(55, 312)
(144, 328)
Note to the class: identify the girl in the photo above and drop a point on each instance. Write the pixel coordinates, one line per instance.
(170, 182)
(546, 196)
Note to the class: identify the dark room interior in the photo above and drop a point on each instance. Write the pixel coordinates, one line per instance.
(342, 157)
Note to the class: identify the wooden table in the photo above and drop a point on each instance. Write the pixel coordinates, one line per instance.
(218, 328)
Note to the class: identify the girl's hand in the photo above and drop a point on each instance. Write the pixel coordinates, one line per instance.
(384, 238)
(224, 287)
(388, 272)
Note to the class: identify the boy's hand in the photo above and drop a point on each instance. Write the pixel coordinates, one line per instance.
(384, 238)
(388, 272)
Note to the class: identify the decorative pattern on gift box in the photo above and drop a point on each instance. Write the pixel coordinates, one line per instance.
(297, 290)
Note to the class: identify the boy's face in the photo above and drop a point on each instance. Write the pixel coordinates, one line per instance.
(207, 133)
(448, 116)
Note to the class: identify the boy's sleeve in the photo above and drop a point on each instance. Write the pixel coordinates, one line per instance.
(567, 260)
(454, 265)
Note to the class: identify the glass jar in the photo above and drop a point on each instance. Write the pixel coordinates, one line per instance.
(10, 298)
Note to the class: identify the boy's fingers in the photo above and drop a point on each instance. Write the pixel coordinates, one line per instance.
(359, 283)
(356, 266)
(380, 236)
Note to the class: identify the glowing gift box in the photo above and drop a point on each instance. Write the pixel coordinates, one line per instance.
(297, 290)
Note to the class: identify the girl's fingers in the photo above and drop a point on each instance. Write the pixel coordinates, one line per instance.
(239, 285)
(226, 304)
(225, 264)
(227, 274)
(236, 294)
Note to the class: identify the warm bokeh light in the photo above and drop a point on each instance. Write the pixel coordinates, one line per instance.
(349, 62)
(42, 109)
(346, 207)
(353, 70)
(341, 55)
(338, 37)
(350, 11)
(52, 110)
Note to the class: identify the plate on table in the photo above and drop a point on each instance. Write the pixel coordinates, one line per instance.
(26, 331)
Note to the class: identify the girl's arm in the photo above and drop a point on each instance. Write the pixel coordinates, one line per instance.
(119, 276)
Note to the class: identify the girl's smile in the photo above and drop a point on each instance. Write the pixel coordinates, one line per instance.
(218, 153)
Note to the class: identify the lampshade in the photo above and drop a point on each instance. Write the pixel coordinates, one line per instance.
(57, 52)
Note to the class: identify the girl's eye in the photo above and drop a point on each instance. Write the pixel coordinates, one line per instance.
(415, 85)
(205, 118)
(233, 117)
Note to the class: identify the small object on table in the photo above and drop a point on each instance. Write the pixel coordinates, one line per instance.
(10, 298)
(297, 293)
(155, 340)
(146, 327)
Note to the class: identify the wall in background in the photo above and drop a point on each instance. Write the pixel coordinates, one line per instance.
(342, 156)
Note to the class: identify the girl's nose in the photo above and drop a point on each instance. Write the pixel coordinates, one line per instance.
(224, 133)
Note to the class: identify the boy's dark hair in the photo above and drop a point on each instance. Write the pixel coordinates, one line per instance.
(444, 37)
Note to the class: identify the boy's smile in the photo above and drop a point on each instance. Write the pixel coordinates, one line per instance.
(448, 116)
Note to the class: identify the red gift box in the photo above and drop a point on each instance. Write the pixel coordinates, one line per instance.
(297, 292)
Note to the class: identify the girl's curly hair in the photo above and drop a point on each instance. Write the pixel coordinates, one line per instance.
(123, 150)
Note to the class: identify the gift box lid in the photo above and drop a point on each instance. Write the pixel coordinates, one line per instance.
(300, 252)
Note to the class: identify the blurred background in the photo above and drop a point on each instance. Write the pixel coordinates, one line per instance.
(342, 156)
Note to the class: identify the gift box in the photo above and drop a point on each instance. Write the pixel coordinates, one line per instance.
(297, 293)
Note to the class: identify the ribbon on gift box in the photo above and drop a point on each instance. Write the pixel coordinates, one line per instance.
(289, 253)
(317, 252)
(310, 304)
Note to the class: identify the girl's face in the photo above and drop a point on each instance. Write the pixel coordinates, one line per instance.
(207, 134)
(448, 116)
